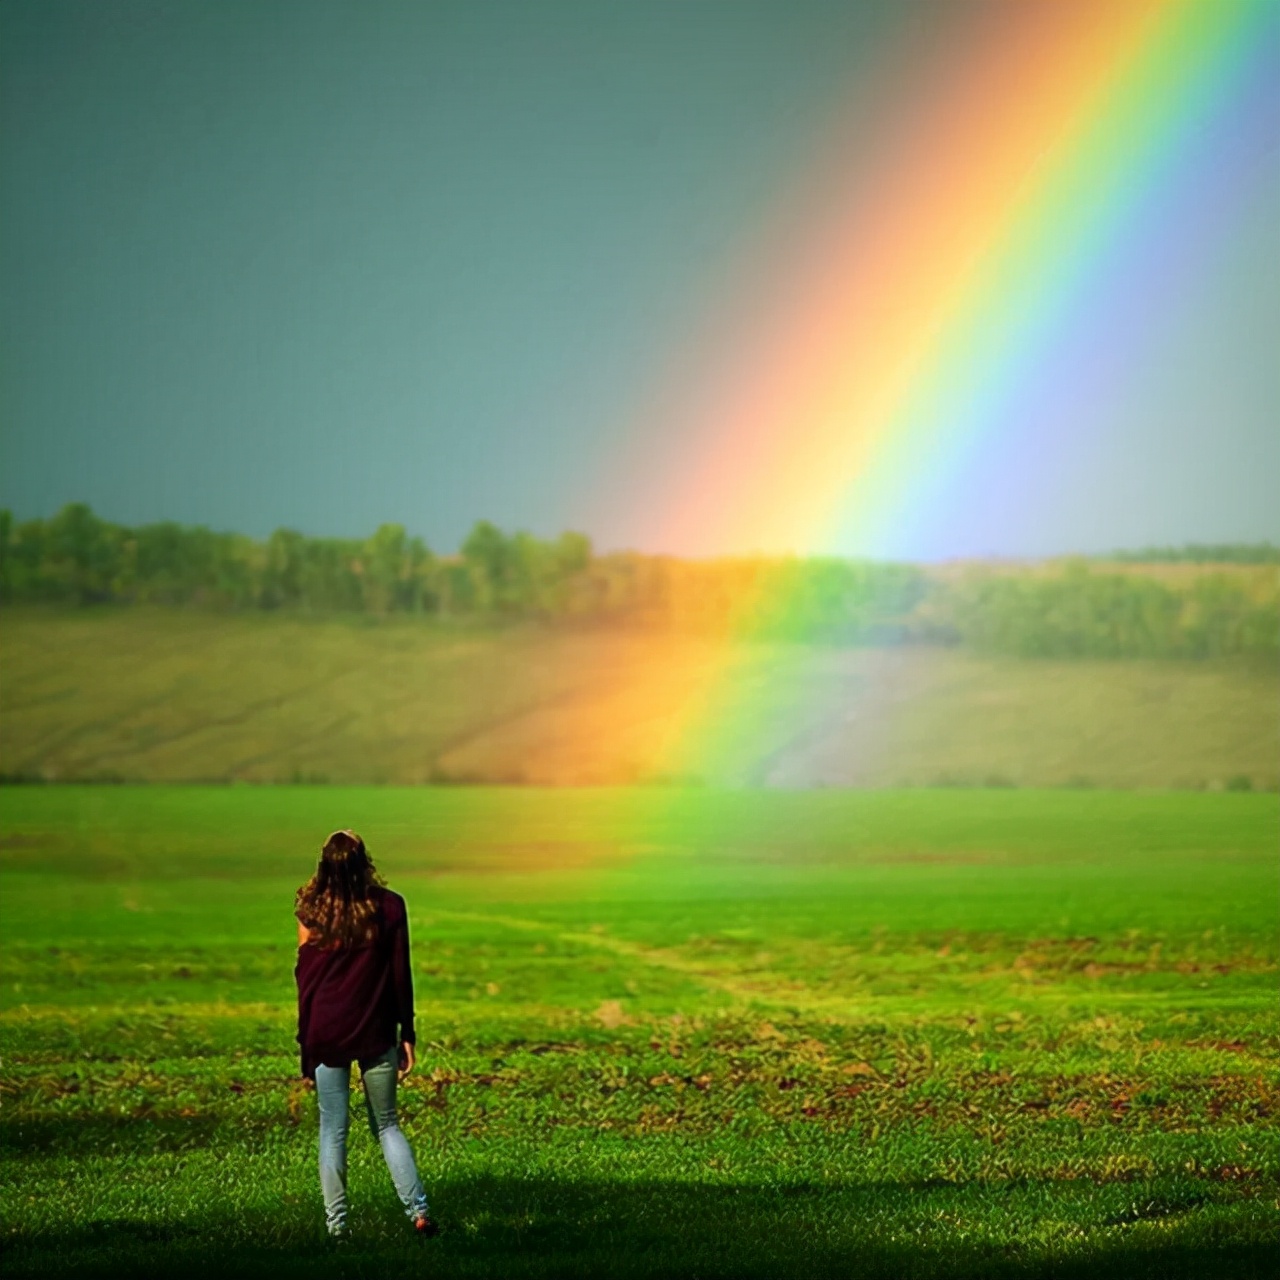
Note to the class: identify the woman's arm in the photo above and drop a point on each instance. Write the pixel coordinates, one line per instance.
(303, 934)
(406, 1058)
(403, 976)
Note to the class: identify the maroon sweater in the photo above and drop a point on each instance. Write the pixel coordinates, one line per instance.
(351, 999)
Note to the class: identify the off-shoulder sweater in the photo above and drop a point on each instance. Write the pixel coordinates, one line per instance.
(355, 1002)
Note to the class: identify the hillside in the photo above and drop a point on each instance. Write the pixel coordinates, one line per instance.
(171, 695)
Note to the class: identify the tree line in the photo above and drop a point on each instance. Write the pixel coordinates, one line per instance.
(1075, 610)
(1205, 553)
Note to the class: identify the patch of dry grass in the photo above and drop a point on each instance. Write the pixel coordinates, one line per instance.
(153, 695)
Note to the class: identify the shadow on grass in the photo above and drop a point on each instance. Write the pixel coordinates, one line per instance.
(107, 1135)
(542, 1228)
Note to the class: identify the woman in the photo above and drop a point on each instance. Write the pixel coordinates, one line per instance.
(355, 1004)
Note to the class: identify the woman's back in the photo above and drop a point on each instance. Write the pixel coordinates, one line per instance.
(352, 997)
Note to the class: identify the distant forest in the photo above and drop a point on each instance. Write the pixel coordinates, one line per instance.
(1131, 605)
(1205, 553)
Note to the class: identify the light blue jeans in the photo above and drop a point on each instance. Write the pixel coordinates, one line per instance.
(333, 1091)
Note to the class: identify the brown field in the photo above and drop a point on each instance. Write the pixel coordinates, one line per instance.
(156, 695)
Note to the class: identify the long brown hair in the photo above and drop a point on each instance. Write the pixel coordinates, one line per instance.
(338, 904)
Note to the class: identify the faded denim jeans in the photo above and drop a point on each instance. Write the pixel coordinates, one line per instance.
(333, 1091)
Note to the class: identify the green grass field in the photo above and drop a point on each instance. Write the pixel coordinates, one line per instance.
(662, 1033)
(154, 695)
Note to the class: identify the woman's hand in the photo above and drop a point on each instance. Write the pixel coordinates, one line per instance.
(406, 1059)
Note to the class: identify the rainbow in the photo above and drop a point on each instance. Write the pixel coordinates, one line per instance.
(919, 284)
(1024, 181)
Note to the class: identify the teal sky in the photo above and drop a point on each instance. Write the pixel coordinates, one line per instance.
(329, 265)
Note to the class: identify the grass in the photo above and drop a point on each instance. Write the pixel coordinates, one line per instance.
(662, 1032)
(168, 695)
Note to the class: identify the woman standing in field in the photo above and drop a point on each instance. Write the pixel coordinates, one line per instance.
(355, 1004)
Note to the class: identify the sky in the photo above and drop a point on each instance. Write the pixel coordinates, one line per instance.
(330, 265)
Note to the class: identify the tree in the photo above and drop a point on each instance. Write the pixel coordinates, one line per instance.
(82, 554)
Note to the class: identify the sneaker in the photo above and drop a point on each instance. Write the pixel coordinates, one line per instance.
(426, 1226)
